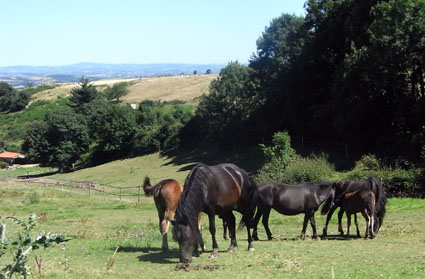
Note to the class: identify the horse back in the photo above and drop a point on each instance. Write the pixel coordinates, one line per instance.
(169, 193)
(358, 200)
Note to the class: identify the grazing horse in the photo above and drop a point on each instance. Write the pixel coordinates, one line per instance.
(166, 195)
(347, 186)
(292, 200)
(362, 201)
(215, 190)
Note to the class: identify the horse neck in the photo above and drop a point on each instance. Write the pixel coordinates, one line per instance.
(191, 199)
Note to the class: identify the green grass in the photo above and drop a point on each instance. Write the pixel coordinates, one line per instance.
(98, 227)
(13, 125)
(31, 171)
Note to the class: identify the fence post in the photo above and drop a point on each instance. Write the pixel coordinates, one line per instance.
(89, 187)
(138, 194)
(104, 197)
(120, 193)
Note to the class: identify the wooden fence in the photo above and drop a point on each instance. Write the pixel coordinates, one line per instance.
(130, 193)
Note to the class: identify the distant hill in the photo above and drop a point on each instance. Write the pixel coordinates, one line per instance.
(185, 88)
(22, 76)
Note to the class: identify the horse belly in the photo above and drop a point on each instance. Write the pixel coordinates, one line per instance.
(288, 206)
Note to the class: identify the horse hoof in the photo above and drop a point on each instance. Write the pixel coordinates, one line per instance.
(231, 250)
(316, 237)
(214, 256)
(252, 249)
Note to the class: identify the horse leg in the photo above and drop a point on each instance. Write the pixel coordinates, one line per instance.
(357, 224)
(367, 218)
(306, 218)
(231, 222)
(348, 223)
(313, 226)
(162, 225)
(340, 214)
(265, 221)
(328, 218)
(224, 230)
(248, 218)
(211, 219)
(255, 223)
(200, 241)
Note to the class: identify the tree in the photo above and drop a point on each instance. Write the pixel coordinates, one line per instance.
(116, 133)
(84, 94)
(58, 141)
(117, 91)
(12, 100)
(223, 112)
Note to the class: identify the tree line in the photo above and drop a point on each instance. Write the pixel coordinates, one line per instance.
(96, 128)
(349, 71)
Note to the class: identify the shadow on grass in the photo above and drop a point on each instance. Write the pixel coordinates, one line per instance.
(156, 255)
(297, 238)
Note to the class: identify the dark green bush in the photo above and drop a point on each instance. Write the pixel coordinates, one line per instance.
(313, 168)
(3, 165)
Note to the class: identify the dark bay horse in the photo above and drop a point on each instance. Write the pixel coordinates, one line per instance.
(362, 201)
(347, 186)
(215, 190)
(292, 200)
(166, 195)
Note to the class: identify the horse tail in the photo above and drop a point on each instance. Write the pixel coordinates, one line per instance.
(250, 204)
(149, 189)
(329, 203)
(381, 200)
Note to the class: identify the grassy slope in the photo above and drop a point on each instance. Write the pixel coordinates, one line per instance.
(98, 227)
(184, 88)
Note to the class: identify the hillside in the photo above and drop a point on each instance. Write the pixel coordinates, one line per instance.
(165, 88)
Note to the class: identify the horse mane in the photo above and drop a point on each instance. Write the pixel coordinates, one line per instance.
(381, 198)
(190, 203)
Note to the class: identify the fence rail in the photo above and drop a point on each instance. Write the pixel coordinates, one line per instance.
(133, 193)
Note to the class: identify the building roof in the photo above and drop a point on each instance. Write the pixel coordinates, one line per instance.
(11, 155)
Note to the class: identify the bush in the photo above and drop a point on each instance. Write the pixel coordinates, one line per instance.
(313, 168)
(368, 162)
(280, 151)
(3, 165)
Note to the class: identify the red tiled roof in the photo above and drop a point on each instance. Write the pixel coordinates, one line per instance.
(11, 155)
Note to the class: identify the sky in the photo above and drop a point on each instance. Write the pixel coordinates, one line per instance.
(62, 32)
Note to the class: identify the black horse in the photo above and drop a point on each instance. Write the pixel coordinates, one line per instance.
(292, 200)
(215, 190)
(348, 186)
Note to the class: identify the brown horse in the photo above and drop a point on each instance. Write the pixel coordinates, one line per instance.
(215, 190)
(348, 186)
(362, 201)
(166, 195)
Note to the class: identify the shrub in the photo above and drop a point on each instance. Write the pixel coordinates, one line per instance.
(280, 151)
(368, 162)
(3, 165)
(313, 168)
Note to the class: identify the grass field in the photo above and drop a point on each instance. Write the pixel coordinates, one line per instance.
(98, 227)
(167, 88)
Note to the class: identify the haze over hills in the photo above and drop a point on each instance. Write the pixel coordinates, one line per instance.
(22, 76)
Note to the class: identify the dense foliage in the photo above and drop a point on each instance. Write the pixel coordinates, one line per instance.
(12, 100)
(92, 130)
(349, 72)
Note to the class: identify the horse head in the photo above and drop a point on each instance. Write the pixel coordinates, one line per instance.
(187, 237)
